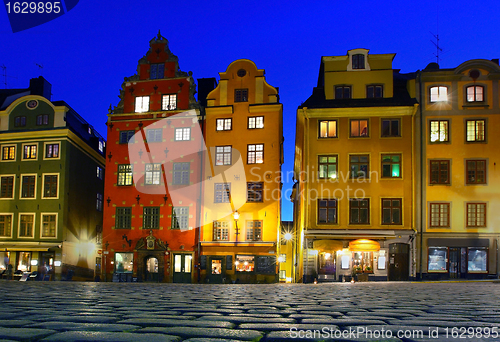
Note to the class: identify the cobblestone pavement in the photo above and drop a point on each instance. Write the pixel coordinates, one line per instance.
(74, 311)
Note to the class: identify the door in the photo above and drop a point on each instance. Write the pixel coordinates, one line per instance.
(46, 265)
(458, 257)
(182, 268)
(151, 269)
(399, 262)
(216, 271)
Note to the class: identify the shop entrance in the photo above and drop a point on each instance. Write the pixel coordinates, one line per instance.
(399, 262)
(46, 265)
(182, 268)
(151, 269)
(215, 276)
(458, 262)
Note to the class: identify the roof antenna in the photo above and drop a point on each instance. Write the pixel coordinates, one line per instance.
(40, 66)
(436, 36)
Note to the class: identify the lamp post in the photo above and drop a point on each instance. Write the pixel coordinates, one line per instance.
(236, 216)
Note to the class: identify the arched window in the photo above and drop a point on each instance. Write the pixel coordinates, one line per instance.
(475, 93)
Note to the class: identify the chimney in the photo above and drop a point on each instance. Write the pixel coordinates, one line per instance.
(40, 86)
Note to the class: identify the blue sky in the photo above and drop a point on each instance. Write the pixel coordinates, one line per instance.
(87, 52)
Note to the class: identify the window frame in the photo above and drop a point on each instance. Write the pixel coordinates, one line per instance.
(253, 233)
(20, 121)
(445, 270)
(256, 124)
(255, 153)
(367, 172)
(153, 172)
(150, 218)
(391, 208)
(255, 195)
(125, 171)
(359, 200)
(327, 207)
(11, 215)
(13, 190)
(358, 121)
(179, 225)
(241, 95)
(343, 88)
(9, 148)
(328, 164)
(476, 220)
(220, 231)
(440, 213)
(99, 202)
(42, 225)
(180, 134)
(222, 192)
(44, 120)
(139, 105)
(438, 99)
(127, 136)
(45, 150)
(182, 171)
(447, 131)
(390, 135)
(328, 122)
(19, 236)
(358, 63)
(123, 218)
(374, 86)
(100, 172)
(475, 87)
(157, 67)
(28, 148)
(44, 175)
(21, 177)
(391, 163)
(223, 153)
(476, 139)
(439, 170)
(224, 126)
(154, 135)
(167, 103)
(485, 170)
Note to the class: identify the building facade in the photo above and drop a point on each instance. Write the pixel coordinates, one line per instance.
(242, 183)
(354, 197)
(152, 187)
(459, 111)
(51, 175)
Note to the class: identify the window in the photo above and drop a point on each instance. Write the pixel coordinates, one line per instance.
(255, 154)
(169, 102)
(327, 167)
(244, 263)
(391, 128)
(123, 218)
(180, 218)
(5, 226)
(124, 262)
(328, 129)
(221, 231)
(99, 202)
(29, 151)
(476, 130)
(438, 94)
(128, 136)
(391, 210)
(362, 261)
(42, 120)
(49, 223)
(475, 94)
(151, 218)
(154, 135)
(476, 215)
(255, 122)
(181, 173)
(223, 155)
(19, 121)
(439, 215)
(101, 146)
(100, 172)
(28, 186)
(359, 128)
(374, 91)
(359, 211)
(26, 224)
(52, 151)
(327, 211)
(440, 172)
(241, 95)
(153, 174)
(7, 187)
(223, 124)
(141, 104)
(477, 260)
(342, 92)
(439, 130)
(182, 134)
(254, 230)
(222, 192)
(125, 175)
(438, 258)
(476, 171)
(156, 71)
(255, 192)
(391, 166)
(50, 186)
(359, 165)
(358, 61)
(9, 153)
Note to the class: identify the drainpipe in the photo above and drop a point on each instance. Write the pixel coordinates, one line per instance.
(200, 197)
(422, 159)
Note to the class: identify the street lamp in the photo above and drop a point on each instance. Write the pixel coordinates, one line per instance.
(236, 216)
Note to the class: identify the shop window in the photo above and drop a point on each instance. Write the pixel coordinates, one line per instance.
(439, 215)
(359, 165)
(374, 91)
(476, 215)
(125, 175)
(223, 124)
(141, 104)
(4, 260)
(327, 167)
(128, 136)
(282, 274)
(245, 263)
(475, 94)
(438, 94)
(169, 102)
(255, 122)
(476, 171)
(327, 129)
(326, 263)
(52, 151)
(391, 128)
(440, 172)
(438, 258)
(391, 210)
(153, 173)
(477, 260)
(391, 166)
(216, 266)
(255, 153)
(124, 262)
(24, 263)
(223, 155)
(363, 262)
(183, 134)
(476, 130)
(439, 131)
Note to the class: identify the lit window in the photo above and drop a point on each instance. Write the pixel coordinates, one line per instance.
(169, 102)
(439, 214)
(476, 171)
(42, 120)
(125, 175)
(476, 130)
(151, 218)
(9, 153)
(182, 134)
(223, 124)
(359, 128)
(391, 166)
(29, 151)
(476, 214)
(328, 129)
(475, 94)
(359, 166)
(124, 262)
(123, 218)
(28, 186)
(255, 154)
(50, 186)
(391, 210)
(254, 230)
(5, 226)
(440, 172)
(438, 94)
(7, 187)
(100, 172)
(180, 218)
(52, 151)
(244, 263)
(181, 173)
(327, 211)
(223, 155)
(101, 146)
(99, 202)
(439, 130)
(327, 167)
(221, 231)
(359, 210)
(49, 225)
(154, 135)
(222, 192)
(26, 223)
(391, 128)
(156, 71)
(255, 191)
(438, 259)
(342, 92)
(358, 61)
(19, 121)
(255, 122)
(141, 104)
(374, 91)
(241, 95)
(477, 260)
(153, 174)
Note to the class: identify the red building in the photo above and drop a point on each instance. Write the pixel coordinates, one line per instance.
(151, 209)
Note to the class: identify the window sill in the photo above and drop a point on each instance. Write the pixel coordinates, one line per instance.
(476, 105)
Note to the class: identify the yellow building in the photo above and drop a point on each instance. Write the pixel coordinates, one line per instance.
(354, 168)
(459, 184)
(242, 187)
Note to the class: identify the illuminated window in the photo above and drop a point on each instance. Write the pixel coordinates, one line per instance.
(327, 167)
(476, 171)
(123, 218)
(29, 151)
(42, 120)
(180, 218)
(49, 225)
(439, 130)
(9, 153)
(156, 71)
(254, 230)
(181, 173)
(438, 94)
(391, 210)
(358, 61)
(391, 166)
(125, 175)
(255, 122)
(7, 187)
(151, 218)
(476, 215)
(50, 186)
(328, 129)
(477, 260)
(221, 231)
(99, 202)
(100, 172)
(359, 128)
(223, 124)
(327, 211)
(438, 259)
(359, 211)
(183, 134)
(475, 94)
(440, 215)
(255, 191)
(374, 91)
(223, 155)
(141, 104)
(476, 130)
(440, 172)
(391, 128)
(244, 263)
(342, 92)
(5, 226)
(169, 102)
(363, 262)
(153, 174)
(128, 136)
(124, 262)
(52, 151)
(241, 95)
(359, 166)
(26, 222)
(255, 153)
(222, 192)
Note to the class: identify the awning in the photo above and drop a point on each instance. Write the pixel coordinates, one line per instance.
(364, 245)
(327, 245)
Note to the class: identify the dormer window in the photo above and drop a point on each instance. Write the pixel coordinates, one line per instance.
(438, 94)
(475, 94)
(241, 95)
(342, 92)
(358, 61)
(374, 91)
(156, 71)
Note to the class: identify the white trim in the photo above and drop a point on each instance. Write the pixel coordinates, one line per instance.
(1, 153)
(13, 186)
(41, 226)
(21, 185)
(43, 184)
(363, 52)
(45, 150)
(30, 144)
(19, 226)
(11, 225)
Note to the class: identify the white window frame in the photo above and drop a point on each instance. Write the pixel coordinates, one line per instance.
(439, 97)
(19, 226)
(255, 124)
(100, 172)
(257, 153)
(152, 133)
(223, 126)
(182, 134)
(41, 226)
(13, 186)
(1, 153)
(167, 104)
(21, 186)
(45, 150)
(11, 225)
(43, 184)
(30, 144)
(141, 106)
(223, 153)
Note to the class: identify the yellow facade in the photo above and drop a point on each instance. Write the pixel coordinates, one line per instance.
(459, 171)
(354, 166)
(244, 138)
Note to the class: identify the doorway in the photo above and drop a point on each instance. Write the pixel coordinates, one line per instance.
(151, 269)
(182, 268)
(215, 276)
(399, 262)
(458, 262)
(46, 265)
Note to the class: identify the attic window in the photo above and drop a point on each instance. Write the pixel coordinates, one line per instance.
(358, 61)
(241, 72)
(157, 71)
